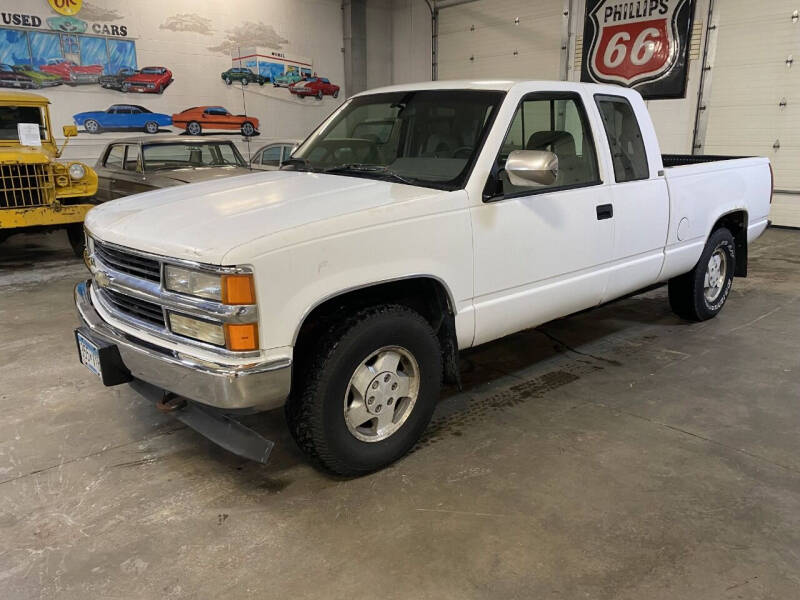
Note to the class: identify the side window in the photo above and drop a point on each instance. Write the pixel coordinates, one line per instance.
(271, 156)
(115, 157)
(132, 158)
(287, 153)
(624, 138)
(555, 124)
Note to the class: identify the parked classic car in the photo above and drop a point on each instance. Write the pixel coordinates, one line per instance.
(140, 164)
(122, 116)
(315, 86)
(346, 287)
(11, 78)
(40, 79)
(272, 156)
(198, 119)
(287, 79)
(71, 72)
(115, 81)
(244, 75)
(150, 80)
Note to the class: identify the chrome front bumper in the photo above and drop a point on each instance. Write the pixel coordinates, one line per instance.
(259, 386)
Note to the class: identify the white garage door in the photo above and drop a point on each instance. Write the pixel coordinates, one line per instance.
(750, 81)
(490, 39)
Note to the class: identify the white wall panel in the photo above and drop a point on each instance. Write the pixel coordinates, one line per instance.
(484, 40)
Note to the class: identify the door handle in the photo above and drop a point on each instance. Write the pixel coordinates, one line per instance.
(605, 211)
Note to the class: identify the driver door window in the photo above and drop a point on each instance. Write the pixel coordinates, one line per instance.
(557, 125)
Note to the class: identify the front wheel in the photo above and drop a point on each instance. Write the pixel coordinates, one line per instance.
(335, 93)
(247, 129)
(77, 241)
(92, 126)
(151, 127)
(367, 390)
(701, 293)
(228, 81)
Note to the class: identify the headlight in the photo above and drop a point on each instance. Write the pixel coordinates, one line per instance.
(76, 171)
(194, 283)
(228, 289)
(205, 331)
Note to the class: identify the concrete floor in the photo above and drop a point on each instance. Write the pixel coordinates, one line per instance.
(619, 453)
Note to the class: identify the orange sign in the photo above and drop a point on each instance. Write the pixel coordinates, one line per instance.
(66, 7)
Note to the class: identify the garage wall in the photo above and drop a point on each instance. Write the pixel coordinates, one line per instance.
(490, 39)
(195, 42)
(411, 41)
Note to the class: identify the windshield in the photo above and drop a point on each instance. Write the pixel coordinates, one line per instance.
(11, 115)
(428, 137)
(181, 156)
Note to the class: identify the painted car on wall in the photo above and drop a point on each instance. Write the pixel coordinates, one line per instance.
(149, 80)
(115, 81)
(198, 119)
(120, 117)
(287, 79)
(315, 86)
(10, 78)
(244, 75)
(71, 72)
(40, 79)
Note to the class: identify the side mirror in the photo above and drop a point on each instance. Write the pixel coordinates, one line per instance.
(532, 166)
(70, 131)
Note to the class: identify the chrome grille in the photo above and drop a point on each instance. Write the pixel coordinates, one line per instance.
(23, 185)
(129, 263)
(140, 309)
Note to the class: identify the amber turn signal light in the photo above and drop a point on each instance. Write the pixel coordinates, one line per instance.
(238, 289)
(241, 336)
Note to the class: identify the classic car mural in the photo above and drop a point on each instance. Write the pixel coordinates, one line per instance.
(315, 86)
(244, 75)
(287, 79)
(10, 78)
(40, 80)
(115, 81)
(122, 117)
(71, 72)
(149, 80)
(198, 119)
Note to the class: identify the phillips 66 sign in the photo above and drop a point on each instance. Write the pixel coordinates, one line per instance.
(642, 44)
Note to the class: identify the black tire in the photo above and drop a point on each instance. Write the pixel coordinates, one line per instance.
(227, 81)
(194, 128)
(151, 127)
(92, 126)
(319, 95)
(687, 296)
(315, 412)
(248, 130)
(336, 94)
(245, 81)
(77, 241)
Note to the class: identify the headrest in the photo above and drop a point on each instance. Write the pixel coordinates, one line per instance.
(560, 143)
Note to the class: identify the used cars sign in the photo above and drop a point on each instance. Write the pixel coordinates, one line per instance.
(641, 44)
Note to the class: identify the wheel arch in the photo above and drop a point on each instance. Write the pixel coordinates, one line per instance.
(427, 294)
(736, 222)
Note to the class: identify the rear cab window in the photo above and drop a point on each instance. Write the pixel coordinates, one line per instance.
(625, 141)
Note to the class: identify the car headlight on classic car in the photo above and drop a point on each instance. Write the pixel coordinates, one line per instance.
(77, 171)
(228, 289)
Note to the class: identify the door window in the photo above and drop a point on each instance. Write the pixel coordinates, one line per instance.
(624, 138)
(132, 158)
(271, 156)
(287, 153)
(554, 123)
(115, 157)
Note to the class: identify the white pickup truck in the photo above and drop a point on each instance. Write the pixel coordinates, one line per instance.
(344, 285)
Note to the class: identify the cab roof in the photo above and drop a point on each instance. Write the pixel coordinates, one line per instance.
(12, 97)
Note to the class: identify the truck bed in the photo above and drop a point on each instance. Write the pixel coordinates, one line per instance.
(677, 160)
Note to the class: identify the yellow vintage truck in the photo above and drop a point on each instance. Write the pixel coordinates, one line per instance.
(36, 192)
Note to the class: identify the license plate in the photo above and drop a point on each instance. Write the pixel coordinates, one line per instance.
(90, 355)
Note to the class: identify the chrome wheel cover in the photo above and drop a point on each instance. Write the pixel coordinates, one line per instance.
(381, 394)
(716, 273)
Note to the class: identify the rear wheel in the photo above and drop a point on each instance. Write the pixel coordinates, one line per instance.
(194, 128)
(247, 129)
(77, 241)
(366, 391)
(245, 81)
(92, 126)
(701, 293)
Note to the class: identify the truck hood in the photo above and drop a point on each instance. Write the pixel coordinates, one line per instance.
(203, 221)
(201, 174)
(16, 153)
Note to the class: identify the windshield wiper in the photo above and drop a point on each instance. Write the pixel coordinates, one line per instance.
(381, 170)
(298, 161)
